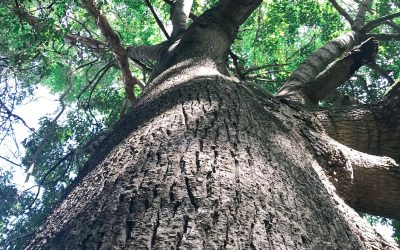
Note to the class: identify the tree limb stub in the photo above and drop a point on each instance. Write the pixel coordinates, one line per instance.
(120, 52)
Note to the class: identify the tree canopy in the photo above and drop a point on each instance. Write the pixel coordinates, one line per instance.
(90, 55)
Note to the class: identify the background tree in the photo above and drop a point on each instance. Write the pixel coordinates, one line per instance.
(86, 51)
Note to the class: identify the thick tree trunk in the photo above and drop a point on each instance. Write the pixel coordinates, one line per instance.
(205, 161)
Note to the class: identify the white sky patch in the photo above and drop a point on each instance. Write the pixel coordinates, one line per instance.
(385, 230)
(42, 104)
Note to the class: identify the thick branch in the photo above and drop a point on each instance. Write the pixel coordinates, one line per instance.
(180, 13)
(120, 52)
(314, 65)
(375, 23)
(366, 182)
(340, 71)
(237, 11)
(151, 53)
(373, 129)
(209, 37)
(342, 11)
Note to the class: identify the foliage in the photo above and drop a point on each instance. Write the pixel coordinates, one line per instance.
(270, 45)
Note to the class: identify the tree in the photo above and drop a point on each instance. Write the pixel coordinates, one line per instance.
(205, 158)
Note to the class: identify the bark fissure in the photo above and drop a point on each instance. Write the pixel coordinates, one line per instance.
(218, 164)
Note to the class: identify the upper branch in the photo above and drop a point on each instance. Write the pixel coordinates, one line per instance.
(314, 65)
(120, 52)
(341, 70)
(180, 13)
(342, 11)
(359, 21)
(385, 36)
(375, 23)
(159, 23)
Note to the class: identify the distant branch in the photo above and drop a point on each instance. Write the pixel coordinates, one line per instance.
(10, 161)
(375, 23)
(49, 130)
(378, 69)
(341, 11)
(158, 21)
(384, 37)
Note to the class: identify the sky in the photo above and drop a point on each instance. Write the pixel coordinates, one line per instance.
(42, 104)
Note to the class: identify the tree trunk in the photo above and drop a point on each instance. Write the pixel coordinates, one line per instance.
(205, 161)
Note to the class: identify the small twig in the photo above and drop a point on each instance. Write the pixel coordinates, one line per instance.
(158, 21)
(10, 161)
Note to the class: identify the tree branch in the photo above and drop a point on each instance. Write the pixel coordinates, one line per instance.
(372, 129)
(384, 37)
(315, 64)
(180, 13)
(158, 21)
(375, 23)
(151, 53)
(342, 11)
(378, 69)
(340, 71)
(120, 52)
(359, 21)
(50, 130)
(366, 182)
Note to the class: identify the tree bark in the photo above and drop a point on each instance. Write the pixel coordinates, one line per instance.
(207, 161)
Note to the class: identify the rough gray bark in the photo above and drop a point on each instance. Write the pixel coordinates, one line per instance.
(180, 15)
(315, 64)
(207, 161)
